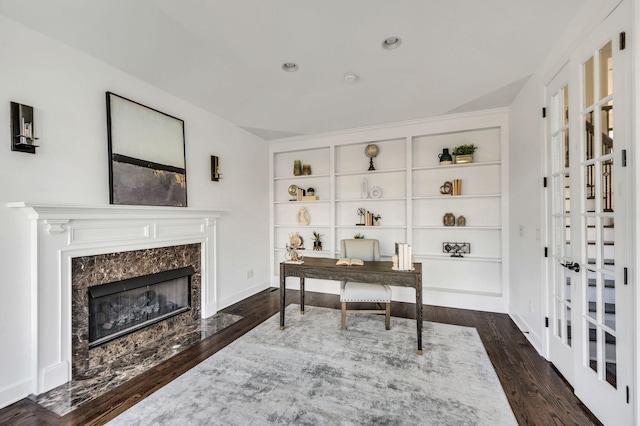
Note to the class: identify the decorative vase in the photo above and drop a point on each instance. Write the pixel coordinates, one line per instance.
(449, 219)
(445, 157)
(462, 221)
(464, 159)
(306, 170)
(317, 245)
(297, 167)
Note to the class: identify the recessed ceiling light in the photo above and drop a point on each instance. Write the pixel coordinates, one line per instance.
(351, 77)
(390, 43)
(290, 66)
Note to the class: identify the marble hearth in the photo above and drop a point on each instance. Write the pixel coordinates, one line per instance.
(66, 240)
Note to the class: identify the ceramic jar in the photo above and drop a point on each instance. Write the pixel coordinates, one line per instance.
(449, 219)
(297, 167)
(445, 157)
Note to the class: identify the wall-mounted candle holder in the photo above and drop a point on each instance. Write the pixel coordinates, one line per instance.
(216, 174)
(22, 128)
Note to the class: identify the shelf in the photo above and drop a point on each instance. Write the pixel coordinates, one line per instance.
(455, 166)
(466, 258)
(371, 227)
(453, 197)
(474, 228)
(372, 172)
(299, 177)
(295, 225)
(301, 201)
(306, 251)
(359, 200)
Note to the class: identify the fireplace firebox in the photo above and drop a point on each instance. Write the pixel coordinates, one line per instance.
(125, 306)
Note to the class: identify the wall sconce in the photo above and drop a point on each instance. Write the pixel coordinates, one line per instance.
(22, 128)
(216, 174)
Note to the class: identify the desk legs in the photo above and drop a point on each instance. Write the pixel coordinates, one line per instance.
(283, 292)
(419, 311)
(301, 295)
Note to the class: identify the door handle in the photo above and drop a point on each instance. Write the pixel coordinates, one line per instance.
(574, 267)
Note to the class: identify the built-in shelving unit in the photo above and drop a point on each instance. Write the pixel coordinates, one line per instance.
(407, 180)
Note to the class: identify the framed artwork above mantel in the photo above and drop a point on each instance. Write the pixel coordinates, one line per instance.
(146, 155)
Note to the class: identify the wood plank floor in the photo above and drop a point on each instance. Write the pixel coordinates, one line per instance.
(537, 393)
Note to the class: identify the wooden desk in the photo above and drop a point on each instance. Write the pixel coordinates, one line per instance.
(370, 272)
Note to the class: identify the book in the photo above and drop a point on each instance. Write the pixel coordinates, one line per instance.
(403, 254)
(349, 262)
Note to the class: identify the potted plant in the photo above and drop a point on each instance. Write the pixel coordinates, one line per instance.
(464, 153)
(359, 236)
(317, 243)
(311, 191)
(376, 219)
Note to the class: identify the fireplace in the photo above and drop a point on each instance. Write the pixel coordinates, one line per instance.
(123, 301)
(123, 307)
(73, 248)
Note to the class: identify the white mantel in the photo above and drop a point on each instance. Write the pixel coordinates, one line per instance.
(61, 232)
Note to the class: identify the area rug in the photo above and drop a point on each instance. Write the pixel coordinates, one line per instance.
(314, 373)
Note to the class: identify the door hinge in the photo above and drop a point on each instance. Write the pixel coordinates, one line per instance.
(626, 276)
(624, 158)
(544, 112)
(623, 40)
(627, 394)
(544, 182)
(546, 252)
(546, 322)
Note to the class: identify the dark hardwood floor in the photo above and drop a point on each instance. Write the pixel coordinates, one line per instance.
(537, 393)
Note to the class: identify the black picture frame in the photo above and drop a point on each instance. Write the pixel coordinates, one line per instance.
(147, 161)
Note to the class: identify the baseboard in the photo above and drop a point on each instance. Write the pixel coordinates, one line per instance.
(532, 337)
(15, 392)
(235, 298)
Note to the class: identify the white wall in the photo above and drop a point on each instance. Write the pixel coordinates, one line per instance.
(67, 90)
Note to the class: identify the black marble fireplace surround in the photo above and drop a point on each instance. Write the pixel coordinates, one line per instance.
(92, 271)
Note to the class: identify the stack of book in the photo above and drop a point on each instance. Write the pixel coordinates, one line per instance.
(403, 251)
(368, 219)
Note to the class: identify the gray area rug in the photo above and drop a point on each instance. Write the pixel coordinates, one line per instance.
(314, 373)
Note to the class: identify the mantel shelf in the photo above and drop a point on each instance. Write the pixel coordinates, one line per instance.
(75, 212)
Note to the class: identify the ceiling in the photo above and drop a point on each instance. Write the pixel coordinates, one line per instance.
(226, 55)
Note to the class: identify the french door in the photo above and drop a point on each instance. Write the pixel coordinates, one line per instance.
(562, 282)
(588, 201)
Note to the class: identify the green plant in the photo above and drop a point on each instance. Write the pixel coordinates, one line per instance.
(377, 217)
(464, 149)
(359, 236)
(316, 236)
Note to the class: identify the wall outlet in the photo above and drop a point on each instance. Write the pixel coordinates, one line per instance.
(250, 274)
